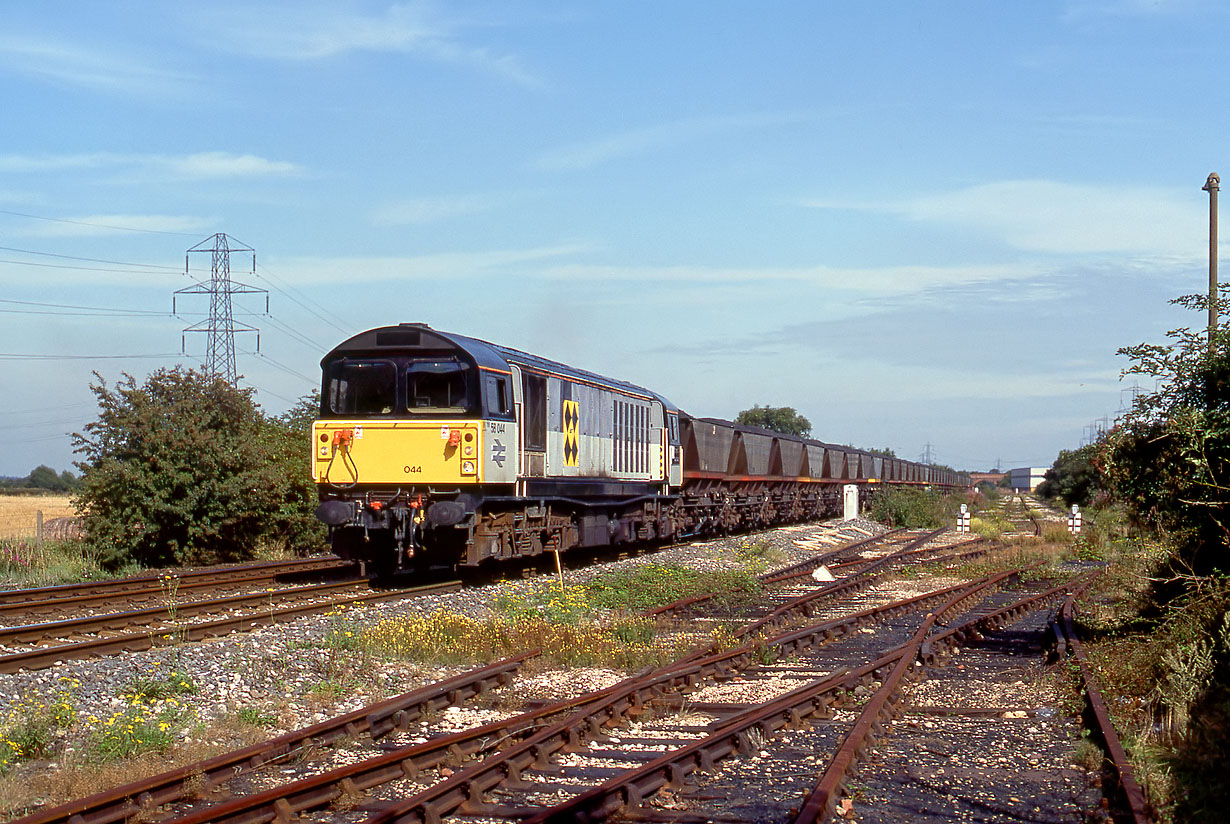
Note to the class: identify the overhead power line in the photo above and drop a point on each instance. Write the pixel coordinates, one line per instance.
(98, 225)
(158, 266)
(25, 356)
(290, 291)
(105, 309)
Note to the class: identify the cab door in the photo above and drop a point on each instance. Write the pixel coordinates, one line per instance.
(674, 450)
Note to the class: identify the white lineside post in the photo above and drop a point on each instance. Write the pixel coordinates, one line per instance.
(849, 497)
(963, 519)
(1074, 520)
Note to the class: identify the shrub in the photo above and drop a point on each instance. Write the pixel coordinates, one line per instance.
(185, 469)
(915, 508)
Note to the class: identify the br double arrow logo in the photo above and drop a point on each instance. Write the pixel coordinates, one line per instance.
(572, 427)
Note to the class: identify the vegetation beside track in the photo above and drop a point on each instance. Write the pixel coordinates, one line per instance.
(1158, 620)
(596, 624)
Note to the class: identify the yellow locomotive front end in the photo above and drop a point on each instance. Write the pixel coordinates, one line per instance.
(397, 452)
(415, 428)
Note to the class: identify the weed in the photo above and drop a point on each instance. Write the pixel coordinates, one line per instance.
(141, 727)
(156, 685)
(255, 717)
(655, 585)
(328, 691)
(554, 604)
(23, 564)
(27, 730)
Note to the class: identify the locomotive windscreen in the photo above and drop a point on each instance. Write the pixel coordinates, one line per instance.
(362, 388)
(438, 386)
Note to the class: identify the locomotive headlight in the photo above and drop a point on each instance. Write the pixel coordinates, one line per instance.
(469, 467)
(469, 451)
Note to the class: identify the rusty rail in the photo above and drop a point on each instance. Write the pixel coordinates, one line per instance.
(140, 584)
(1125, 792)
(134, 642)
(733, 736)
(538, 733)
(377, 720)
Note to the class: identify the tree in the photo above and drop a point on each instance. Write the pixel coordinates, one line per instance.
(177, 471)
(44, 477)
(1168, 459)
(1074, 478)
(776, 418)
(886, 452)
(287, 439)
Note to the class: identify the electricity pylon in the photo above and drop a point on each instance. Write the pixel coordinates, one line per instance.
(220, 325)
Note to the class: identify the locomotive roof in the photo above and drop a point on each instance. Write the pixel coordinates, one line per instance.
(419, 336)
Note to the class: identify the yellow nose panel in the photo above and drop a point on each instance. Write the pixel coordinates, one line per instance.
(397, 452)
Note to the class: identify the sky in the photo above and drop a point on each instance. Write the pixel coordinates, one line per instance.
(927, 226)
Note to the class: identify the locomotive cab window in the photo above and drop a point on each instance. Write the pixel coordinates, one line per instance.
(438, 386)
(362, 388)
(498, 402)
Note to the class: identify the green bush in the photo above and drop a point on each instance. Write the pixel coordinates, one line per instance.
(185, 469)
(913, 508)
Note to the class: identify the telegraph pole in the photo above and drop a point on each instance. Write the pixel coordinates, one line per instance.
(1211, 186)
(220, 325)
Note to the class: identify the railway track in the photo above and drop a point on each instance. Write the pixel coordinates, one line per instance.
(545, 749)
(154, 584)
(142, 629)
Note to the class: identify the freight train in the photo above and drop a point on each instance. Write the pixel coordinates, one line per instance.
(436, 448)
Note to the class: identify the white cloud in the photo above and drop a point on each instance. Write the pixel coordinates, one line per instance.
(457, 265)
(72, 65)
(430, 209)
(872, 281)
(1065, 218)
(224, 164)
(198, 166)
(317, 31)
(652, 138)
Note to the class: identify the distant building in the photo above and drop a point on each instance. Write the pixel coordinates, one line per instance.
(1026, 477)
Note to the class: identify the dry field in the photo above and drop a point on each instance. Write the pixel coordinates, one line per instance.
(18, 513)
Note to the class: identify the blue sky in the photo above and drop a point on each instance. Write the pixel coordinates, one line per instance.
(918, 223)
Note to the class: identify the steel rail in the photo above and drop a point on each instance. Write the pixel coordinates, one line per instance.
(1125, 789)
(587, 713)
(823, 558)
(732, 736)
(923, 647)
(135, 799)
(468, 786)
(799, 570)
(805, 604)
(135, 642)
(69, 627)
(68, 603)
(270, 569)
(867, 576)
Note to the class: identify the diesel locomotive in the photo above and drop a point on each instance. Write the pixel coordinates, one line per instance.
(436, 448)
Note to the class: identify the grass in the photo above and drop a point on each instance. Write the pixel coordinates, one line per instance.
(656, 585)
(1165, 673)
(595, 624)
(18, 513)
(23, 564)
